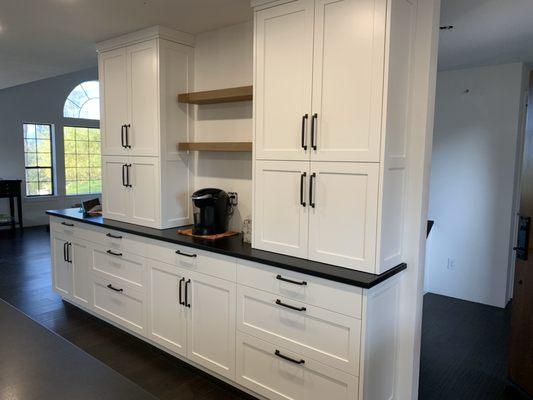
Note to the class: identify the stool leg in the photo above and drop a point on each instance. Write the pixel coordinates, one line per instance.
(19, 209)
(12, 212)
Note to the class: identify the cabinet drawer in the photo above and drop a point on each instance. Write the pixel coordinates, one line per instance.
(261, 367)
(334, 296)
(118, 241)
(120, 303)
(192, 259)
(325, 336)
(124, 267)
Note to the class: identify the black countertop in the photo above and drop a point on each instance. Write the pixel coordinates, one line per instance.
(234, 247)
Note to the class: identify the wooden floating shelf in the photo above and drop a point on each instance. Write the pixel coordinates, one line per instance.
(243, 93)
(216, 146)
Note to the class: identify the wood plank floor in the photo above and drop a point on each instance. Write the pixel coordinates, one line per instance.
(464, 345)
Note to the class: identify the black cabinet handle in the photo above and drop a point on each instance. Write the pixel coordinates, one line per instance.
(124, 166)
(114, 254)
(128, 182)
(180, 290)
(302, 178)
(311, 183)
(65, 251)
(280, 303)
(304, 125)
(187, 304)
(122, 134)
(301, 283)
(186, 255)
(69, 247)
(66, 224)
(278, 354)
(110, 286)
(127, 127)
(110, 235)
(314, 132)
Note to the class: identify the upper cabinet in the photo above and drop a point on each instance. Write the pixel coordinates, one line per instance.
(331, 103)
(146, 178)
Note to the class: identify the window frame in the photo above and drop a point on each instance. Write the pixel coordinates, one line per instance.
(52, 166)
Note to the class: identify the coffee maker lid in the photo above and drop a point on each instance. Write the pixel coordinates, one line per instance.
(208, 193)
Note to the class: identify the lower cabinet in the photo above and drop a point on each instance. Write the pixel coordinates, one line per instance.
(280, 374)
(62, 272)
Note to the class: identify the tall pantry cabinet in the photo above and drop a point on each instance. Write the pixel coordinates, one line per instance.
(330, 129)
(146, 181)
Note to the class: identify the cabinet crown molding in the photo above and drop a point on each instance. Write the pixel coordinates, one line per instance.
(143, 35)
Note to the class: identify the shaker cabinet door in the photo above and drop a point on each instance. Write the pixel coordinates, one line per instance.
(114, 103)
(348, 79)
(62, 272)
(145, 191)
(115, 193)
(342, 223)
(283, 67)
(281, 207)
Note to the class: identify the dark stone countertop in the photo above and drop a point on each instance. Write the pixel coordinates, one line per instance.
(234, 247)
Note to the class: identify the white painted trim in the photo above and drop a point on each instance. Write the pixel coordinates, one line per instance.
(143, 35)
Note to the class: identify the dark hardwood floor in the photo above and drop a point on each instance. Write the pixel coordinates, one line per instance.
(464, 345)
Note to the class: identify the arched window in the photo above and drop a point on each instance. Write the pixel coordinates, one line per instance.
(83, 102)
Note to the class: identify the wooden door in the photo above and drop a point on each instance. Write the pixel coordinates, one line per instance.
(145, 191)
(211, 325)
(281, 207)
(62, 271)
(113, 101)
(167, 312)
(348, 79)
(143, 95)
(115, 193)
(81, 256)
(283, 83)
(343, 214)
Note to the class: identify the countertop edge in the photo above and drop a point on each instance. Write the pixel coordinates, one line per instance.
(373, 279)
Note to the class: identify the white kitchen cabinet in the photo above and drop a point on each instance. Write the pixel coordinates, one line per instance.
(350, 128)
(167, 314)
(62, 272)
(140, 76)
(280, 209)
(81, 264)
(211, 326)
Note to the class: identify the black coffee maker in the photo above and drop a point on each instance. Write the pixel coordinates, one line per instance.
(211, 211)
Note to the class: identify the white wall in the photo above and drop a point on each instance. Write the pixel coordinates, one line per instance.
(224, 58)
(477, 131)
(40, 101)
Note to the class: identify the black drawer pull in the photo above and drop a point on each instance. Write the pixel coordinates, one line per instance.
(66, 224)
(311, 196)
(65, 245)
(185, 254)
(122, 132)
(187, 304)
(180, 290)
(280, 303)
(302, 201)
(127, 127)
(278, 353)
(114, 254)
(110, 286)
(301, 283)
(314, 131)
(110, 235)
(304, 124)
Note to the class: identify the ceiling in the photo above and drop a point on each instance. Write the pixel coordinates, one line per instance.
(44, 38)
(485, 32)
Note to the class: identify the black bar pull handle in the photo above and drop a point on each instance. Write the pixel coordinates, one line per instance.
(302, 200)
(65, 251)
(128, 126)
(304, 126)
(192, 255)
(278, 354)
(314, 132)
(122, 134)
(110, 286)
(110, 235)
(311, 184)
(180, 287)
(66, 224)
(187, 304)
(301, 283)
(124, 166)
(69, 253)
(280, 303)
(128, 182)
(113, 253)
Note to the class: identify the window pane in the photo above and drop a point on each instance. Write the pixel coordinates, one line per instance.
(95, 161)
(83, 161)
(82, 134)
(43, 146)
(32, 188)
(45, 188)
(83, 174)
(30, 145)
(83, 102)
(69, 133)
(29, 131)
(96, 186)
(83, 187)
(71, 188)
(94, 147)
(96, 173)
(71, 110)
(45, 175)
(38, 153)
(70, 147)
(32, 175)
(70, 174)
(94, 135)
(31, 159)
(44, 160)
(82, 147)
(42, 131)
(70, 160)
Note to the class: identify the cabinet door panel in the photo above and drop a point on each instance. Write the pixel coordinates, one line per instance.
(115, 196)
(348, 79)
(143, 134)
(280, 220)
(168, 318)
(284, 56)
(211, 326)
(145, 191)
(114, 104)
(342, 226)
(81, 272)
(62, 272)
